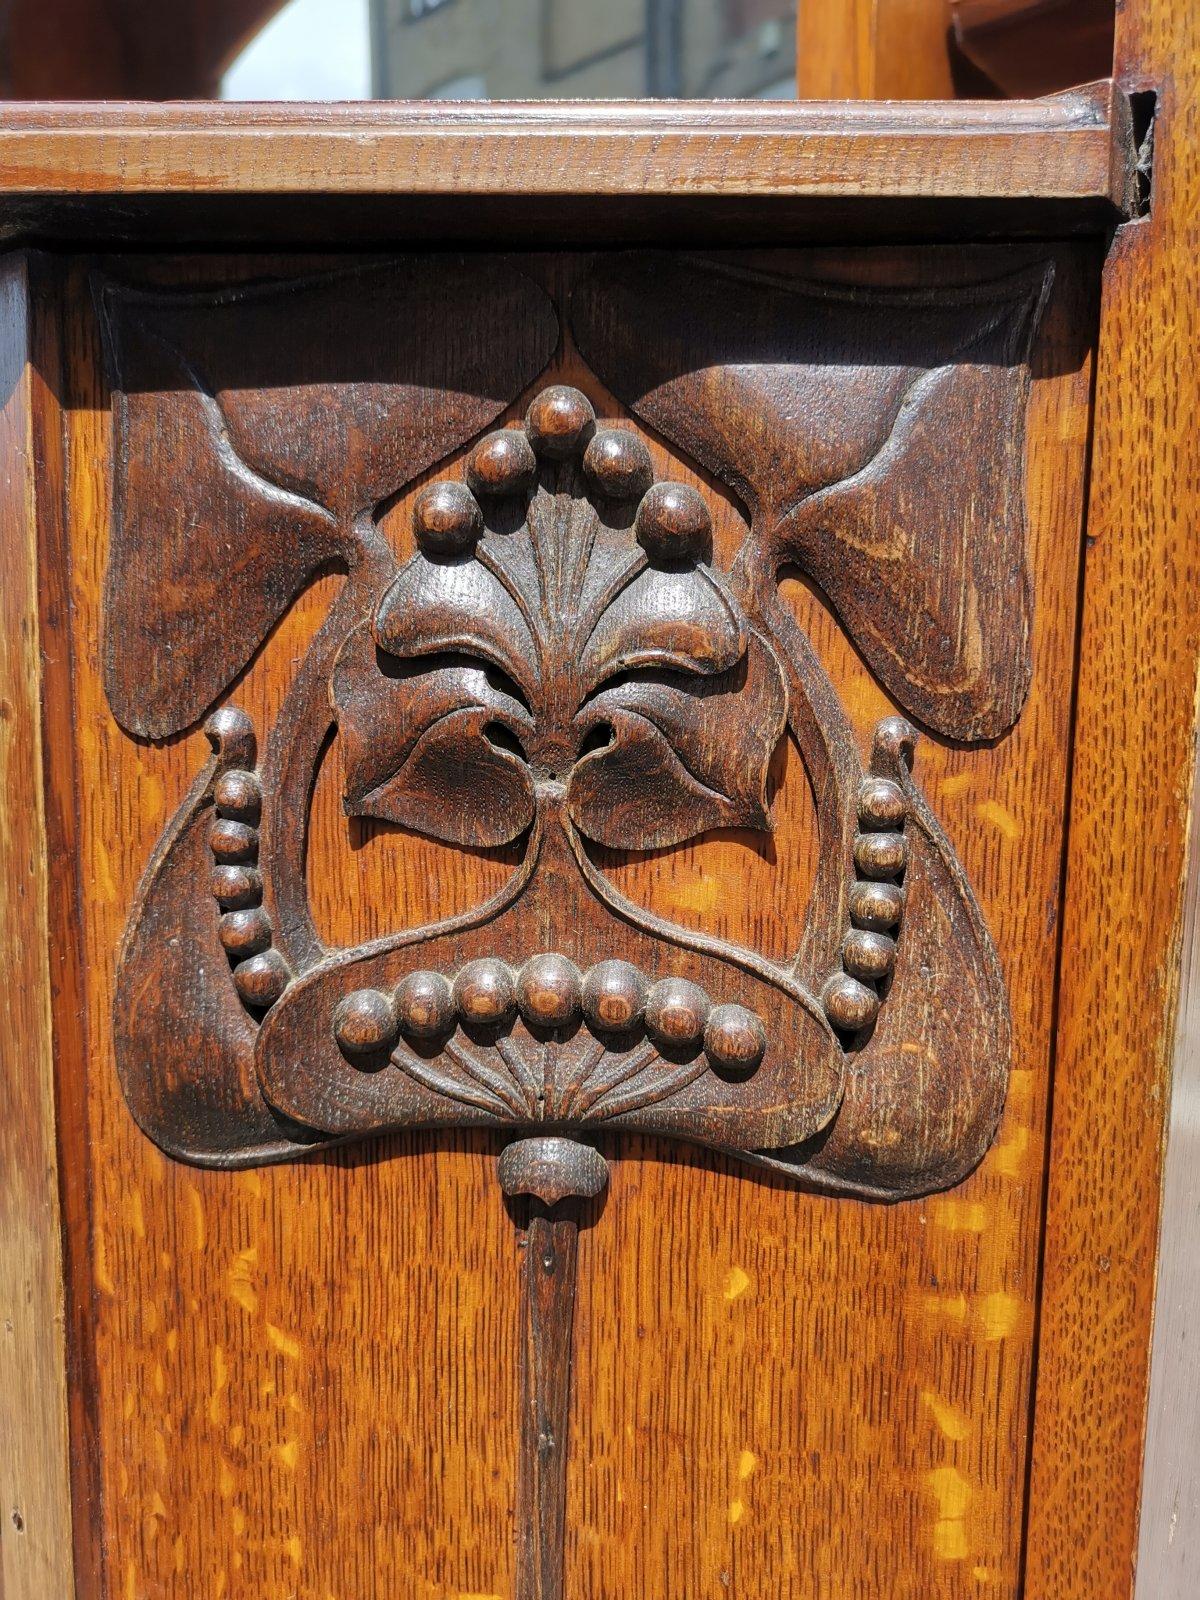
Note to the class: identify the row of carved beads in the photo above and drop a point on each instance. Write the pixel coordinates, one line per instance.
(549, 991)
(876, 906)
(260, 973)
(672, 522)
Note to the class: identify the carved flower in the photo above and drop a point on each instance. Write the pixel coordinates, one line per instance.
(510, 664)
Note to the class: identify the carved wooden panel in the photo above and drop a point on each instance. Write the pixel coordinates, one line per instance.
(564, 665)
(616, 671)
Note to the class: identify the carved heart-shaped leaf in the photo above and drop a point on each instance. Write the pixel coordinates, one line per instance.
(876, 436)
(672, 768)
(255, 423)
(418, 750)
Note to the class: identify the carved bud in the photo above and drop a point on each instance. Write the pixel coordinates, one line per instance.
(619, 464)
(881, 804)
(548, 991)
(614, 997)
(245, 933)
(850, 1005)
(673, 524)
(876, 905)
(237, 794)
(233, 841)
(365, 1022)
(734, 1039)
(262, 979)
(676, 1012)
(234, 887)
(446, 519)
(881, 855)
(868, 955)
(503, 463)
(484, 992)
(560, 421)
(424, 1005)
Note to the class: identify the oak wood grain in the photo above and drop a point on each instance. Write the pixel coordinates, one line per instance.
(35, 1546)
(1134, 754)
(305, 1376)
(1063, 162)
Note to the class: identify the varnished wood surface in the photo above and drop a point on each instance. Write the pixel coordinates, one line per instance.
(1061, 162)
(35, 1544)
(1036, 46)
(873, 50)
(1134, 753)
(305, 1377)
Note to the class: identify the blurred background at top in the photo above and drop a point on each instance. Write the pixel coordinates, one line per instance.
(519, 49)
(547, 49)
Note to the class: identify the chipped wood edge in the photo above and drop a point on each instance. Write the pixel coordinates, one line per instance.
(36, 1559)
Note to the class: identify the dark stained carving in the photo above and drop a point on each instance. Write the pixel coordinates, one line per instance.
(562, 664)
(256, 424)
(875, 436)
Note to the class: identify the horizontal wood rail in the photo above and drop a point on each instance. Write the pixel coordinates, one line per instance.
(610, 169)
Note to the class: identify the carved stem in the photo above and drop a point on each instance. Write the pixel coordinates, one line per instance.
(547, 1319)
(556, 1174)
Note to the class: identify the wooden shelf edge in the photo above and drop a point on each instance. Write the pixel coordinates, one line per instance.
(1069, 152)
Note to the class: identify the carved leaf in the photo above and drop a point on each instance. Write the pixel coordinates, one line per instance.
(244, 451)
(418, 751)
(620, 680)
(672, 768)
(459, 606)
(876, 437)
(674, 620)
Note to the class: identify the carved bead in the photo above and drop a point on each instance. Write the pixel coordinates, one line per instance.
(237, 794)
(850, 1005)
(231, 734)
(619, 464)
(233, 841)
(548, 990)
(881, 804)
(673, 523)
(676, 1011)
(446, 519)
(734, 1038)
(881, 855)
(614, 997)
(236, 887)
(484, 991)
(560, 421)
(503, 463)
(424, 1005)
(868, 955)
(876, 905)
(261, 980)
(365, 1022)
(245, 933)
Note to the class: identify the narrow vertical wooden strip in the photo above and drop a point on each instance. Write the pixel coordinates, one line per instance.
(547, 1316)
(1126, 868)
(1169, 1540)
(35, 1549)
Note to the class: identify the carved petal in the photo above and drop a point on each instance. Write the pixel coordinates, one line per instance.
(417, 752)
(243, 451)
(672, 769)
(457, 606)
(672, 620)
(911, 402)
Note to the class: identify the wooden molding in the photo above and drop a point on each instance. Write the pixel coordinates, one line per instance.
(584, 168)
